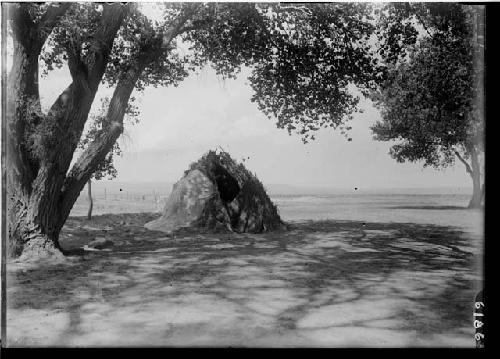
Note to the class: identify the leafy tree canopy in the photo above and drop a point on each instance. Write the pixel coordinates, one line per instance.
(311, 89)
(303, 56)
(428, 99)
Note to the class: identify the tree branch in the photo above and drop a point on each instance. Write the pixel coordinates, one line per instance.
(33, 35)
(179, 24)
(100, 49)
(467, 166)
(190, 23)
(89, 70)
(50, 19)
(77, 67)
(53, 14)
(87, 73)
(105, 139)
(303, 9)
(423, 24)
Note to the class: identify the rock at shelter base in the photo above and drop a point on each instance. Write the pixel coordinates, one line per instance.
(218, 194)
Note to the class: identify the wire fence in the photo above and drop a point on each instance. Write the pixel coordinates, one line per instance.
(120, 202)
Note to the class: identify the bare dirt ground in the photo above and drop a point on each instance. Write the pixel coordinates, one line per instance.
(320, 284)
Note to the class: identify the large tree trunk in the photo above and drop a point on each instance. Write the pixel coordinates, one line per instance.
(40, 146)
(474, 170)
(30, 224)
(477, 193)
(31, 232)
(477, 140)
(34, 198)
(477, 189)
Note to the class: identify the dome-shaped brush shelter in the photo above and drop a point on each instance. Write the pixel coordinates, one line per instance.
(218, 194)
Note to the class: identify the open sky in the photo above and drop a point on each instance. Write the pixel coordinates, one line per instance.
(178, 125)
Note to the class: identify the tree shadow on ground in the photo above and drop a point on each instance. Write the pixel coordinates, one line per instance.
(305, 286)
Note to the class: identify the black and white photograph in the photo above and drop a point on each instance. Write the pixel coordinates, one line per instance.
(243, 174)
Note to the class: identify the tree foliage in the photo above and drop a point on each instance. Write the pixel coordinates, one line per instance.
(431, 98)
(304, 56)
(312, 88)
(428, 99)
